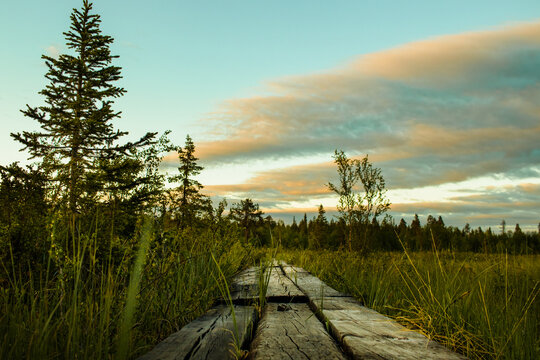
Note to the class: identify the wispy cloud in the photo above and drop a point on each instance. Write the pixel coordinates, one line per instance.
(444, 109)
(428, 113)
(281, 187)
(514, 203)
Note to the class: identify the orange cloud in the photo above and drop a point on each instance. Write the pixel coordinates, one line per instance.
(430, 112)
(445, 94)
(530, 188)
(442, 139)
(447, 57)
(283, 185)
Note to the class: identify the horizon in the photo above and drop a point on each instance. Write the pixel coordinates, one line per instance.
(447, 106)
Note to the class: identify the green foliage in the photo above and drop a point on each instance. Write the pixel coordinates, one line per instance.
(319, 233)
(484, 306)
(77, 309)
(186, 203)
(23, 214)
(77, 141)
(82, 277)
(247, 214)
(317, 237)
(359, 209)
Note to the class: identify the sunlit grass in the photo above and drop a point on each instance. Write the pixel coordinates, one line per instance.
(484, 306)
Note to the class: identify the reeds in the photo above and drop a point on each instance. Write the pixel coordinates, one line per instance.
(483, 306)
(115, 305)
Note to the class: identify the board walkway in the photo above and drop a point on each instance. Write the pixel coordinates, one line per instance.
(304, 318)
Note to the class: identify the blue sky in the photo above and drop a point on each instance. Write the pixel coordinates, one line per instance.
(223, 70)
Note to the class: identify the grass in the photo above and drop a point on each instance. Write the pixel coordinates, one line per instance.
(483, 306)
(112, 303)
(263, 279)
(114, 306)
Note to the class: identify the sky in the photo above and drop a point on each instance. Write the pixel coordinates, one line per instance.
(443, 96)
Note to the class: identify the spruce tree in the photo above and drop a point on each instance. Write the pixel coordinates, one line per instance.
(187, 197)
(77, 137)
(247, 214)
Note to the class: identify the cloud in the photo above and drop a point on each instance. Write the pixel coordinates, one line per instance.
(282, 186)
(430, 112)
(517, 203)
(284, 193)
(529, 188)
(444, 59)
(53, 51)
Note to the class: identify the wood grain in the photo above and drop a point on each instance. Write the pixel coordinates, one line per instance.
(207, 337)
(363, 332)
(293, 333)
(245, 287)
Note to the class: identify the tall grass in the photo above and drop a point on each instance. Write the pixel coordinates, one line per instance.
(116, 305)
(483, 306)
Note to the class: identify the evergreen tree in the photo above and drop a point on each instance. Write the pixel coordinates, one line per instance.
(186, 198)
(23, 213)
(247, 214)
(402, 228)
(303, 227)
(294, 225)
(416, 233)
(318, 231)
(440, 222)
(77, 137)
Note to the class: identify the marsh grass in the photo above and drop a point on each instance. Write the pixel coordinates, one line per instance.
(115, 305)
(483, 306)
(266, 266)
(223, 286)
(263, 279)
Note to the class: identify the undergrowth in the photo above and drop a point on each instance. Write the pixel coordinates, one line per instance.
(117, 305)
(483, 306)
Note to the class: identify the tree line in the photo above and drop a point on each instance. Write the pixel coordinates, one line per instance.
(86, 180)
(324, 232)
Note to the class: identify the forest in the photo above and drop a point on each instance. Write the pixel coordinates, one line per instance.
(104, 254)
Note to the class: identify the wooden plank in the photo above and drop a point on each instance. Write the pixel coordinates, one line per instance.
(280, 286)
(292, 333)
(333, 303)
(207, 337)
(311, 285)
(367, 334)
(364, 333)
(289, 269)
(245, 286)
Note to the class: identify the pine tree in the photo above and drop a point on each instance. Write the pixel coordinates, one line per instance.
(319, 228)
(247, 214)
(187, 197)
(77, 137)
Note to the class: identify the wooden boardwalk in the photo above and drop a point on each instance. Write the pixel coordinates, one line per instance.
(304, 319)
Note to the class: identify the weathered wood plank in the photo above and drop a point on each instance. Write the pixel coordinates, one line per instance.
(292, 333)
(281, 286)
(333, 303)
(245, 286)
(207, 337)
(365, 333)
(311, 285)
